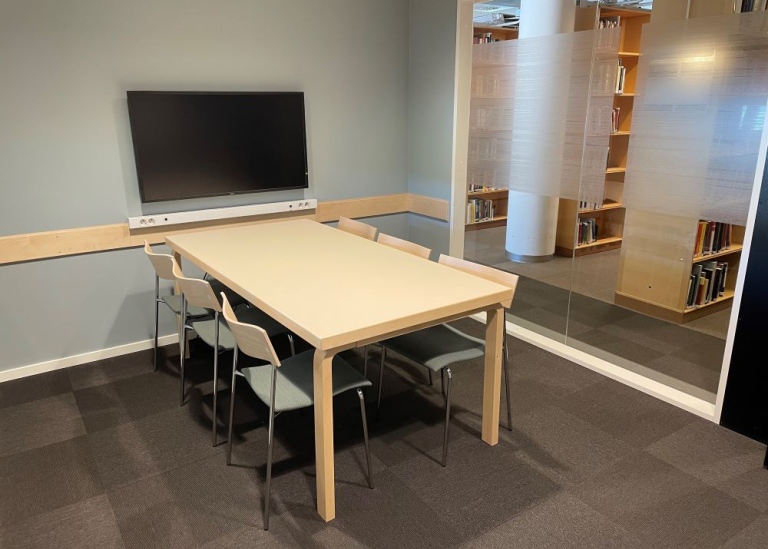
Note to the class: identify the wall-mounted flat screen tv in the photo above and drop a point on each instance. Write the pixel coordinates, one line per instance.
(199, 144)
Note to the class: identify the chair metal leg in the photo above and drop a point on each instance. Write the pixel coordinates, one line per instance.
(157, 312)
(381, 375)
(269, 447)
(289, 335)
(215, 378)
(442, 382)
(232, 405)
(447, 415)
(365, 437)
(507, 382)
(183, 344)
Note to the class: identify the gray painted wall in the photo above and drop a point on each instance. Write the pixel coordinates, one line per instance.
(431, 74)
(65, 154)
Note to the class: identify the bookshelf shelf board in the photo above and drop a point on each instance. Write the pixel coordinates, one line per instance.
(673, 315)
(619, 134)
(499, 221)
(489, 195)
(604, 208)
(625, 94)
(629, 54)
(721, 301)
(600, 245)
(616, 170)
(735, 248)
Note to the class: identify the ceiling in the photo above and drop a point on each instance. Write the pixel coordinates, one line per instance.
(506, 13)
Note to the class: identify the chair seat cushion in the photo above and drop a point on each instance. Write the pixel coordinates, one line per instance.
(294, 384)
(437, 346)
(174, 303)
(206, 329)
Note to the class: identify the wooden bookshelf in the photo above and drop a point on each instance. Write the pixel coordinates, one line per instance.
(609, 218)
(498, 197)
(656, 263)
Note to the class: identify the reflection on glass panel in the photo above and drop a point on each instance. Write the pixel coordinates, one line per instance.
(691, 160)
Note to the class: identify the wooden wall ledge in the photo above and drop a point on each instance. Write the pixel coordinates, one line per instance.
(66, 242)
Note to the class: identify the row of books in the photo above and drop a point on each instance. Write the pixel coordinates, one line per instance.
(615, 119)
(712, 237)
(480, 210)
(609, 22)
(707, 283)
(587, 231)
(585, 205)
(484, 38)
(477, 188)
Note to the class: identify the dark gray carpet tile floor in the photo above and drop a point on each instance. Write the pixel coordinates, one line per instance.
(151, 445)
(39, 422)
(27, 389)
(708, 451)
(626, 413)
(47, 478)
(114, 369)
(111, 404)
(686, 372)
(751, 537)
(188, 506)
(89, 524)
(662, 505)
(618, 346)
(566, 448)
(559, 522)
(481, 488)
(389, 516)
(572, 473)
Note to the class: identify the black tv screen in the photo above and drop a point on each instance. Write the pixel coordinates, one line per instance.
(198, 144)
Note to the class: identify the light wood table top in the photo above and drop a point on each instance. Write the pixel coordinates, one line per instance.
(336, 291)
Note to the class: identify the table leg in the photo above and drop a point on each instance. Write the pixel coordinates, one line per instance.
(494, 332)
(326, 497)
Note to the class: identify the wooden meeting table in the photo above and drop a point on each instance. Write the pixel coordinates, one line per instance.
(337, 291)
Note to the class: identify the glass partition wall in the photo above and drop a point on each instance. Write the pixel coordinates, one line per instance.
(650, 149)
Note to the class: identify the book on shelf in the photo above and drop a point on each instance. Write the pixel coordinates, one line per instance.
(610, 22)
(587, 233)
(712, 237)
(479, 209)
(615, 119)
(620, 77)
(706, 283)
(476, 188)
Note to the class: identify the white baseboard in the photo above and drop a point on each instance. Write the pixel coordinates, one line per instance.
(66, 362)
(670, 395)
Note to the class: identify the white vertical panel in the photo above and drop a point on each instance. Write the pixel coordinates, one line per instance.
(540, 115)
(698, 117)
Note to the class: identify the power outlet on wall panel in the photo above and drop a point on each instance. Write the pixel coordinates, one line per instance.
(147, 221)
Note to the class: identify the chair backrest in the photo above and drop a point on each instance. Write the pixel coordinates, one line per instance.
(197, 291)
(251, 339)
(163, 263)
(359, 228)
(488, 273)
(404, 245)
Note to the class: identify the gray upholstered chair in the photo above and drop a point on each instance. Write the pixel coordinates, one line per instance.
(284, 385)
(163, 265)
(359, 228)
(214, 331)
(440, 347)
(406, 246)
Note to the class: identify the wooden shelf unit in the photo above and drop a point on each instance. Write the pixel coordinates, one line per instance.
(499, 199)
(654, 270)
(610, 217)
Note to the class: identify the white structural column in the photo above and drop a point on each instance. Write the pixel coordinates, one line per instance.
(532, 218)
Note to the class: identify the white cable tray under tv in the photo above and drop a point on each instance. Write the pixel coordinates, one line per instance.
(177, 218)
